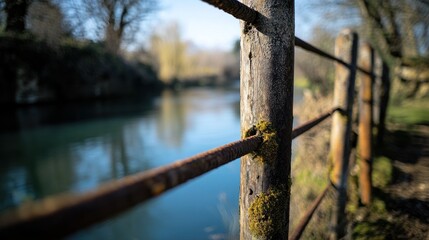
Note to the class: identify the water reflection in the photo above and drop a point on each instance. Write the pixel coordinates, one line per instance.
(172, 118)
(92, 143)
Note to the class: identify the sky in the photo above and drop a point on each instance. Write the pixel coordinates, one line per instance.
(209, 27)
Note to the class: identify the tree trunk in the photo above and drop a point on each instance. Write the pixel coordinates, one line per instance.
(112, 39)
(16, 11)
(267, 56)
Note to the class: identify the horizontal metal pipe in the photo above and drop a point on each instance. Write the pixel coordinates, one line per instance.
(296, 234)
(58, 216)
(245, 13)
(307, 46)
(312, 123)
(236, 9)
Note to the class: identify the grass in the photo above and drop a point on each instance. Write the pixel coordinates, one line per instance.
(410, 113)
(301, 82)
(373, 222)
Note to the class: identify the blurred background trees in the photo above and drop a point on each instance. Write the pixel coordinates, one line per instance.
(179, 61)
(115, 20)
(399, 31)
(16, 12)
(71, 49)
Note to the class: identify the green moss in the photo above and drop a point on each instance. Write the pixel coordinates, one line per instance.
(267, 152)
(372, 230)
(266, 213)
(382, 172)
(378, 207)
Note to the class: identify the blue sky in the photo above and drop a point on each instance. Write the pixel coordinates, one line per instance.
(209, 27)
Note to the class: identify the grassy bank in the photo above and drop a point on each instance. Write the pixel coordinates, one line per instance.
(310, 170)
(410, 113)
(383, 219)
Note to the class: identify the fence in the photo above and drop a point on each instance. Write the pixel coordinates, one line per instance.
(267, 43)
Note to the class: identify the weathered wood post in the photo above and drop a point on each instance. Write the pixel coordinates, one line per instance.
(366, 61)
(267, 56)
(345, 76)
(384, 102)
(376, 91)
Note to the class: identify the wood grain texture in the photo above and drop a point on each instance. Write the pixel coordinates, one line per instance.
(345, 49)
(366, 60)
(267, 56)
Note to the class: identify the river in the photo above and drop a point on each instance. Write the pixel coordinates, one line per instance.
(51, 149)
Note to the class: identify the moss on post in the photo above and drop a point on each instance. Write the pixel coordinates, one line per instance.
(266, 212)
(267, 152)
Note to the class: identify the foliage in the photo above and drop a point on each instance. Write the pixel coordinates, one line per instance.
(115, 20)
(46, 21)
(73, 70)
(178, 61)
(398, 30)
(318, 71)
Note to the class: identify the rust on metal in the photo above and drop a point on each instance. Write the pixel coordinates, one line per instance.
(58, 216)
(296, 234)
(236, 9)
(312, 123)
(307, 46)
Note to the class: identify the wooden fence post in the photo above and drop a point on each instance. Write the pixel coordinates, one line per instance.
(377, 88)
(384, 101)
(267, 56)
(346, 50)
(366, 61)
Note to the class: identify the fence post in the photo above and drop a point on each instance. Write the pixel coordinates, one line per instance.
(366, 61)
(376, 91)
(267, 56)
(384, 101)
(345, 49)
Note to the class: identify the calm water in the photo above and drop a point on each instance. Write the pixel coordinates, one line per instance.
(47, 150)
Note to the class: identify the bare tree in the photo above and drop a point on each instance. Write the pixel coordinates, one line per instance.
(398, 29)
(115, 20)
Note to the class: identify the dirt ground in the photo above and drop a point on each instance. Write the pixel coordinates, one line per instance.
(407, 196)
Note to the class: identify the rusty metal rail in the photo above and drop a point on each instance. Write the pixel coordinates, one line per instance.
(236, 9)
(307, 46)
(59, 216)
(312, 123)
(296, 234)
(245, 13)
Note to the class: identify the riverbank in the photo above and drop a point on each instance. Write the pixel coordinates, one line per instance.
(32, 71)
